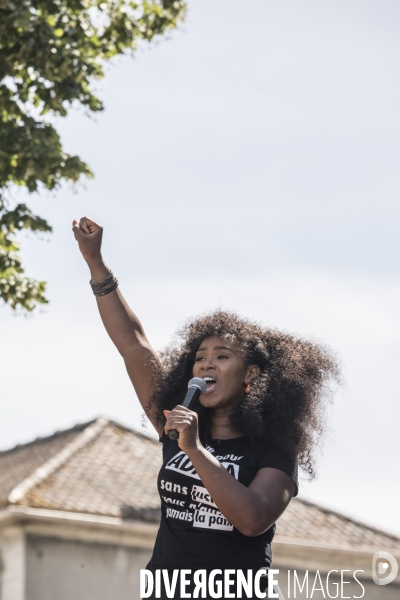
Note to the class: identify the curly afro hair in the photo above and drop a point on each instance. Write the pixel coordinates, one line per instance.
(287, 401)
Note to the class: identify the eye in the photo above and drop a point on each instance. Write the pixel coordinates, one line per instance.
(222, 356)
(198, 358)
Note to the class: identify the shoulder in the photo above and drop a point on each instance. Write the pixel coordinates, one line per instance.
(269, 455)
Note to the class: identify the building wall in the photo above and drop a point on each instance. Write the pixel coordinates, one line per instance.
(333, 587)
(58, 569)
(12, 564)
(46, 566)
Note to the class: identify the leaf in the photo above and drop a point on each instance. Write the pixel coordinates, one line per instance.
(51, 51)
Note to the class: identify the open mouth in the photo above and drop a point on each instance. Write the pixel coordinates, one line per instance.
(211, 385)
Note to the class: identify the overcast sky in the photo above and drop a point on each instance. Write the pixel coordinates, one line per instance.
(249, 162)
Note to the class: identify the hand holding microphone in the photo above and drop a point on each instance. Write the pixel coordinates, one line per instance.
(196, 387)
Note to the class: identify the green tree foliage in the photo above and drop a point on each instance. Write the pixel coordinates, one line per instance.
(50, 53)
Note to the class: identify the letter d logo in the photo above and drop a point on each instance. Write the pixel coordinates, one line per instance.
(382, 568)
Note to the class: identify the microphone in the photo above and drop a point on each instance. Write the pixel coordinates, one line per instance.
(196, 386)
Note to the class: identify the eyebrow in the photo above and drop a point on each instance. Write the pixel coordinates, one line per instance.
(217, 348)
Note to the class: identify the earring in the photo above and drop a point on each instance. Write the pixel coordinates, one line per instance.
(247, 388)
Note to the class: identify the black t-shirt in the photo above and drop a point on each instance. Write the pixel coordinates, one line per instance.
(193, 533)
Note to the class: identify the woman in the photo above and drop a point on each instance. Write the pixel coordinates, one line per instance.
(233, 470)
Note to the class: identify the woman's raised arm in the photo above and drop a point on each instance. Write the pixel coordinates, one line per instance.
(121, 323)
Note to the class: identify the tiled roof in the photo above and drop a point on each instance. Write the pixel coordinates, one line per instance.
(20, 462)
(103, 468)
(312, 523)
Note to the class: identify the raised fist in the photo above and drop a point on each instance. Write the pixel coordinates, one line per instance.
(88, 234)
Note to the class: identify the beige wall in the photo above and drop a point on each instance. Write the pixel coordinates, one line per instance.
(289, 554)
(47, 559)
(58, 569)
(12, 564)
(352, 590)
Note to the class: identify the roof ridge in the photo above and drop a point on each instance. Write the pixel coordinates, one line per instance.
(132, 430)
(350, 519)
(51, 465)
(77, 427)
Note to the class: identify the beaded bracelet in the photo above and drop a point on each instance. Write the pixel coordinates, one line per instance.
(104, 281)
(111, 288)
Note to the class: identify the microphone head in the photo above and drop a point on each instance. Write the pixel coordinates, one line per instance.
(199, 383)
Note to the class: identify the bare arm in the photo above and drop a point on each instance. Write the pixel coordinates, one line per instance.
(252, 510)
(121, 323)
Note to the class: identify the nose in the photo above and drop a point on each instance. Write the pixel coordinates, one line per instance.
(208, 363)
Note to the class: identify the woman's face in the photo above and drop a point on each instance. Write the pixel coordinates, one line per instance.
(221, 363)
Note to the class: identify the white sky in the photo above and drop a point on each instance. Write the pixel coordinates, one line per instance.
(249, 162)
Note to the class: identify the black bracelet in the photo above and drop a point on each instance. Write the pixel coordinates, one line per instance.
(99, 284)
(111, 288)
